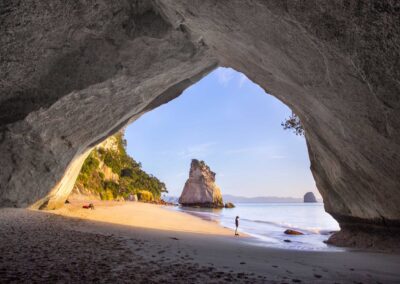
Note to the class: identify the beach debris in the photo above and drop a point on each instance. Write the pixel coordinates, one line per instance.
(200, 188)
(292, 232)
(88, 206)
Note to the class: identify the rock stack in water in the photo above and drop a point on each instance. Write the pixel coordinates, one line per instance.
(309, 197)
(200, 188)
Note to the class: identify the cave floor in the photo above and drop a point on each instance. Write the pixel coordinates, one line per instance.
(40, 247)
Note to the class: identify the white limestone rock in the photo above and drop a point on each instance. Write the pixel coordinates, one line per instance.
(200, 189)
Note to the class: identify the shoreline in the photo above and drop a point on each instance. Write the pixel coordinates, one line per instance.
(191, 223)
(311, 240)
(42, 247)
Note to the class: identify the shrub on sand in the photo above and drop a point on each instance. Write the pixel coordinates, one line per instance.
(145, 195)
(107, 195)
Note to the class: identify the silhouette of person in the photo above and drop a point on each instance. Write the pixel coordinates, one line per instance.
(237, 225)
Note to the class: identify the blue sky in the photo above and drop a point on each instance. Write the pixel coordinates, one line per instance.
(235, 127)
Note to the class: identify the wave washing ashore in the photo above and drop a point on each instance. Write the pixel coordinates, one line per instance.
(268, 221)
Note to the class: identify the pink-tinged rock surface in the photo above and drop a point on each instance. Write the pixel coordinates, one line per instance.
(200, 188)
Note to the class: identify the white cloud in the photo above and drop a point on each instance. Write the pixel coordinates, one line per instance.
(181, 174)
(196, 151)
(225, 75)
(242, 80)
(267, 152)
(277, 157)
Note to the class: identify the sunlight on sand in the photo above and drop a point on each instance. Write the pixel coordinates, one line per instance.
(143, 215)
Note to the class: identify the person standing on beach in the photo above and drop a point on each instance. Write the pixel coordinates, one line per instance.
(237, 225)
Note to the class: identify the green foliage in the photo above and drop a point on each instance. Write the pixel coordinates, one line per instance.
(107, 195)
(89, 177)
(217, 200)
(132, 179)
(145, 195)
(91, 163)
(127, 172)
(101, 151)
(293, 123)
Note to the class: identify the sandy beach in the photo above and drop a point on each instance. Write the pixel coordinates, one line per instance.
(142, 215)
(144, 243)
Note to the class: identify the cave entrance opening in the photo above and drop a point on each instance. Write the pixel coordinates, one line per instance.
(231, 124)
(235, 127)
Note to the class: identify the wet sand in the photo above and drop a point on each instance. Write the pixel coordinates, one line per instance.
(44, 247)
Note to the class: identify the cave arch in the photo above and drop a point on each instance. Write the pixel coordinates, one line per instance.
(91, 68)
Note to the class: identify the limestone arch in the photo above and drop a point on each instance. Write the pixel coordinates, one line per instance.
(101, 65)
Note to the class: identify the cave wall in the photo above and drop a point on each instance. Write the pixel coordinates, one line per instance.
(336, 64)
(75, 73)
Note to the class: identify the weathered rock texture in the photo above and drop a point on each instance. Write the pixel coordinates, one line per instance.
(309, 197)
(200, 188)
(74, 72)
(79, 191)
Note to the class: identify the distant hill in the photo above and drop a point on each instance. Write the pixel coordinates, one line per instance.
(242, 199)
(260, 199)
(169, 198)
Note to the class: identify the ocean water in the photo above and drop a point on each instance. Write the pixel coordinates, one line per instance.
(266, 222)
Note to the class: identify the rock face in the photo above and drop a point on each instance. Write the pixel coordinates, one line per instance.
(292, 232)
(80, 192)
(229, 205)
(309, 197)
(200, 188)
(109, 173)
(73, 73)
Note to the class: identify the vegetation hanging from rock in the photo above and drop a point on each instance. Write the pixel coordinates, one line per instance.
(293, 123)
(109, 172)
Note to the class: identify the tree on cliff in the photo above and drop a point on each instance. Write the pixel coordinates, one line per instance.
(293, 123)
(129, 179)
